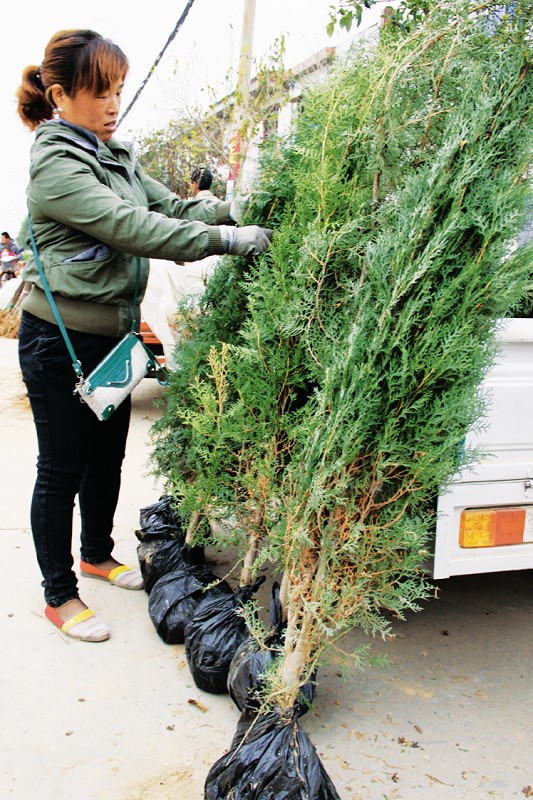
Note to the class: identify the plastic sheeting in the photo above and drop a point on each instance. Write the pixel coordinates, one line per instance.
(162, 547)
(168, 284)
(8, 291)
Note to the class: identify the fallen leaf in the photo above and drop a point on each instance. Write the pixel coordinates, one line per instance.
(527, 791)
(344, 764)
(436, 780)
(197, 703)
(358, 734)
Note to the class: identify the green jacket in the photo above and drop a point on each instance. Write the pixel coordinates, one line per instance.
(93, 210)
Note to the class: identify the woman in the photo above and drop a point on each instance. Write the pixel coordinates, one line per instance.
(93, 210)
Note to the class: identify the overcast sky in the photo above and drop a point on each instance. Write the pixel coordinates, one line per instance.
(204, 52)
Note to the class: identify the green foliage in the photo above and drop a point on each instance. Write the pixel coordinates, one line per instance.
(402, 19)
(330, 411)
(344, 15)
(214, 322)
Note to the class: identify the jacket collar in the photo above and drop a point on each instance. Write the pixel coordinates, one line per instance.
(82, 136)
(83, 132)
(109, 153)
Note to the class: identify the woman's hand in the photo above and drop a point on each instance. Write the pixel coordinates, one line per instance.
(251, 240)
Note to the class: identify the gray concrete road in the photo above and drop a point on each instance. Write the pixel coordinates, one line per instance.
(449, 719)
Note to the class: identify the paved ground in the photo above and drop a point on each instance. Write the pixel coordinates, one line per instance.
(449, 719)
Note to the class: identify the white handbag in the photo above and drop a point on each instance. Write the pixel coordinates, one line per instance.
(117, 375)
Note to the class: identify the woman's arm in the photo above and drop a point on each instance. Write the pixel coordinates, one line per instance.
(160, 199)
(65, 188)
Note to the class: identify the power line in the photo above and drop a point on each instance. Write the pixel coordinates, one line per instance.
(179, 23)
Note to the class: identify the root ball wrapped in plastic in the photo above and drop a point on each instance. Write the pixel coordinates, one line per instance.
(251, 661)
(159, 521)
(162, 548)
(158, 558)
(176, 596)
(246, 677)
(271, 758)
(213, 636)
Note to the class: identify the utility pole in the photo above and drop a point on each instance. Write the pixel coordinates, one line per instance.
(242, 96)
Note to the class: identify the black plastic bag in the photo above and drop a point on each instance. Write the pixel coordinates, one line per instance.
(159, 521)
(157, 558)
(245, 677)
(162, 547)
(176, 596)
(271, 758)
(213, 636)
(250, 662)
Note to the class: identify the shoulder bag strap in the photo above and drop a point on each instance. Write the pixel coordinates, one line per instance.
(75, 363)
(136, 293)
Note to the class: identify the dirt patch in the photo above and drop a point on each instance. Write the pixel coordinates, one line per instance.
(176, 784)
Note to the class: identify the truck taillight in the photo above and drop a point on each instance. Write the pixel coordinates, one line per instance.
(491, 527)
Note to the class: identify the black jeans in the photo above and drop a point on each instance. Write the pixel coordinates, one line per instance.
(78, 454)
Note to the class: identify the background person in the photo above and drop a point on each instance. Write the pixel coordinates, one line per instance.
(10, 243)
(8, 264)
(201, 180)
(93, 211)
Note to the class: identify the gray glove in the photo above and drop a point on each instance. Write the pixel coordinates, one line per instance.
(251, 240)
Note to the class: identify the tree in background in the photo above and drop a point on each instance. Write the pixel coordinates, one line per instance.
(403, 18)
(170, 154)
(203, 136)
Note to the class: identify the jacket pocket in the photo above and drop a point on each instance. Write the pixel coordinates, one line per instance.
(98, 252)
(99, 280)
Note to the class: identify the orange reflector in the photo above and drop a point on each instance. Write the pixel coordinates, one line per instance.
(490, 527)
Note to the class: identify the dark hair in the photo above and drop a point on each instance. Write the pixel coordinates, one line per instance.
(203, 177)
(6, 234)
(74, 59)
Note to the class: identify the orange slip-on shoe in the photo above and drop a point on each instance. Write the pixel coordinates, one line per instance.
(84, 626)
(122, 575)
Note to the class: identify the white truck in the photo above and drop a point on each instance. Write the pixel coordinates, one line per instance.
(485, 517)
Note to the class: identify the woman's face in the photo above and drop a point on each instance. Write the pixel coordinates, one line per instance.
(97, 114)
